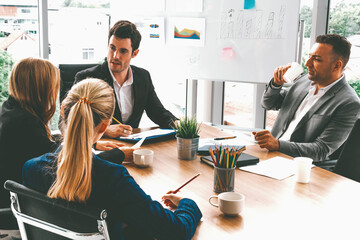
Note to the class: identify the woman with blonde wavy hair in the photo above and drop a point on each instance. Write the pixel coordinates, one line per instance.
(81, 176)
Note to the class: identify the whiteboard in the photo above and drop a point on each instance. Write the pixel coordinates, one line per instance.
(240, 45)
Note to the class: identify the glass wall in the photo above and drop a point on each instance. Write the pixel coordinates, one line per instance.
(78, 30)
(238, 104)
(344, 19)
(19, 37)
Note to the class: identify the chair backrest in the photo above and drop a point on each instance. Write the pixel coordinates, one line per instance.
(41, 217)
(348, 164)
(67, 76)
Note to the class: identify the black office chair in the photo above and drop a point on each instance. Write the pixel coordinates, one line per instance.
(7, 220)
(67, 76)
(40, 217)
(348, 164)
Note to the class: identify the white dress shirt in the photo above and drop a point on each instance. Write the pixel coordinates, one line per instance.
(124, 96)
(309, 101)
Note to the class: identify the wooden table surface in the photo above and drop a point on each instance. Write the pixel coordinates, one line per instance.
(326, 208)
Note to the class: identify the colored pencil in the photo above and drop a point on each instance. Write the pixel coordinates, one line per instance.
(116, 120)
(186, 183)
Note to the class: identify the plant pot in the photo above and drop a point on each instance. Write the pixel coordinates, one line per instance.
(187, 148)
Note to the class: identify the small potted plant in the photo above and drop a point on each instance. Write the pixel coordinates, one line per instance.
(187, 135)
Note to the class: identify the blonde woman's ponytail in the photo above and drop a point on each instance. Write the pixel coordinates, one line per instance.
(87, 104)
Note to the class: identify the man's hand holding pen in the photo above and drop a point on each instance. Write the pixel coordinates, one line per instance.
(118, 130)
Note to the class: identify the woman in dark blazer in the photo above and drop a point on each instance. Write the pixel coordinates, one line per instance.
(24, 122)
(24, 118)
(75, 174)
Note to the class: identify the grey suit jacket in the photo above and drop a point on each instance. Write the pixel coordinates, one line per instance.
(324, 128)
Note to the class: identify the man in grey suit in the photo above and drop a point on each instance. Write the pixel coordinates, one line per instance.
(318, 111)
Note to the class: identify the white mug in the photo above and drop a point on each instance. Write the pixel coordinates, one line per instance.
(230, 203)
(293, 72)
(143, 157)
(303, 169)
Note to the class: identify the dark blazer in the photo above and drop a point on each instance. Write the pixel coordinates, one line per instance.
(22, 137)
(324, 128)
(116, 191)
(145, 97)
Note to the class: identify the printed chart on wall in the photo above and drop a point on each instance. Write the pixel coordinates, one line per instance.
(187, 31)
(247, 40)
(151, 29)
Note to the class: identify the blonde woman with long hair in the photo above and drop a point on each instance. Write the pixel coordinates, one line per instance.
(81, 176)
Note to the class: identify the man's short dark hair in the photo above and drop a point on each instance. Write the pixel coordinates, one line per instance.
(125, 29)
(341, 46)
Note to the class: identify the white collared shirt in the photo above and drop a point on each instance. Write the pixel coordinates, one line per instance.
(124, 95)
(304, 107)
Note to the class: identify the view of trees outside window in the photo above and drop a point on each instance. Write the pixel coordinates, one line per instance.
(345, 20)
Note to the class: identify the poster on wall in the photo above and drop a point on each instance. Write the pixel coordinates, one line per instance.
(187, 32)
(151, 29)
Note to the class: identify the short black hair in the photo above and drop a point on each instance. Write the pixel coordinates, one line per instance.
(125, 29)
(341, 46)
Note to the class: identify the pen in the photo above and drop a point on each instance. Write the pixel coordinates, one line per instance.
(186, 183)
(116, 120)
(223, 138)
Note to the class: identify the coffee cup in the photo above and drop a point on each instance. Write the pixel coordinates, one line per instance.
(229, 203)
(143, 157)
(293, 72)
(303, 167)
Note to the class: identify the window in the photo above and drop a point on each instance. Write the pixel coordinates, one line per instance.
(88, 53)
(25, 10)
(238, 104)
(15, 43)
(78, 31)
(344, 20)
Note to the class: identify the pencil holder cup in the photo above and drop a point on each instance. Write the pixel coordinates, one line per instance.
(224, 179)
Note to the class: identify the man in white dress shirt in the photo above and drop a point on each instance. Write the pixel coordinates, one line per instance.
(318, 111)
(133, 87)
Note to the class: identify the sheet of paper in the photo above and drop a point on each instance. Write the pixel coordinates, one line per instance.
(150, 133)
(138, 144)
(276, 167)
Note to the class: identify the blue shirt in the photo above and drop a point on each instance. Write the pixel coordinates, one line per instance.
(116, 191)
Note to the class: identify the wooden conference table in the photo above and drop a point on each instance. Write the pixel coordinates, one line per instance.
(326, 208)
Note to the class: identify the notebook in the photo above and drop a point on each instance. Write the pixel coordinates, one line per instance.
(204, 150)
(243, 160)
